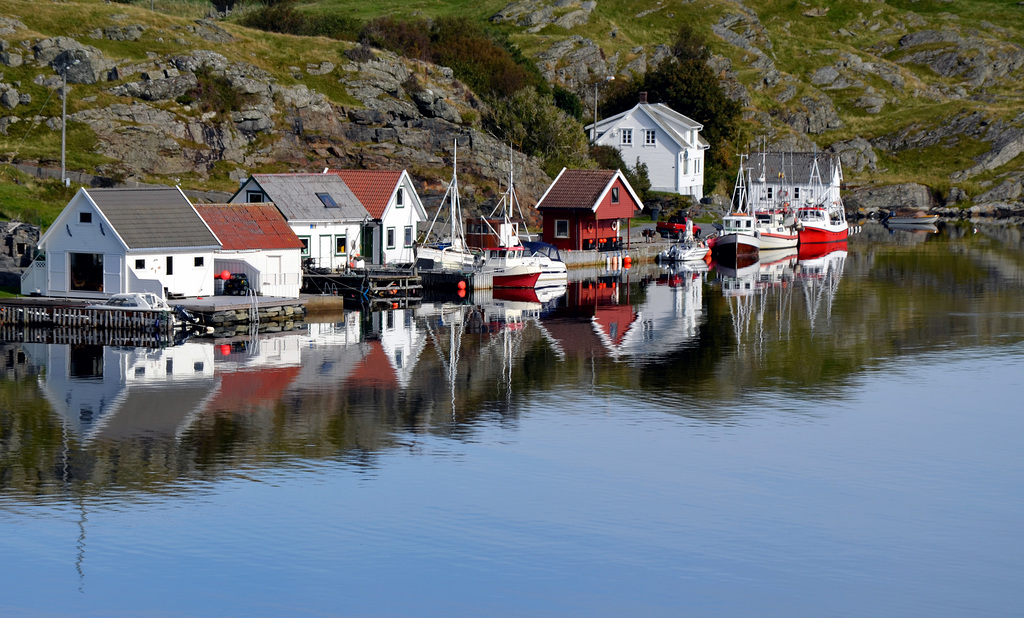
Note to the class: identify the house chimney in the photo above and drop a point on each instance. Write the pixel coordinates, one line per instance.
(643, 97)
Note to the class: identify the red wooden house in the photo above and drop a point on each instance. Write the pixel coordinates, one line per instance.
(582, 209)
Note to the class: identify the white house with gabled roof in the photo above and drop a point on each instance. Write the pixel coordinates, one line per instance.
(326, 216)
(395, 210)
(114, 241)
(668, 142)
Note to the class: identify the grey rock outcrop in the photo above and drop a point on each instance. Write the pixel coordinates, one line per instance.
(817, 116)
(908, 196)
(160, 89)
(856, 155)
(537, 14)
(119, 33)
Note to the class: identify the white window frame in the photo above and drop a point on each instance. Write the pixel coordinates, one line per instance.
(254, 197)
(344, 245)
(561, 223)
(650, 137)
(626, 137)
(400, 198)
(390, 236)
(408, 236)
(305, 246)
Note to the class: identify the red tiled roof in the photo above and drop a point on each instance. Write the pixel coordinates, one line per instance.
(248, 390)
(577, 189)
(249, 226)
(372, 187)
(373, 371)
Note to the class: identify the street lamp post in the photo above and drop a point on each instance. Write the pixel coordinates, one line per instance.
(607, 78)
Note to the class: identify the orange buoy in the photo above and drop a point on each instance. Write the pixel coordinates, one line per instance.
(627, 262)
(462, 293)
(462, 285)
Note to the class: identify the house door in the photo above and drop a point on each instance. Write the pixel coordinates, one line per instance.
(86, 272)
(366, 244)
(326, 251)
(273, 275)
(113, 274)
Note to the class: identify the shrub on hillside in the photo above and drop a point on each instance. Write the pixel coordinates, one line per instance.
(531, 123)
(406, 38)
(214, 93)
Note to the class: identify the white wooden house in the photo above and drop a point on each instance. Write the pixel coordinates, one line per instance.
(777, 180)
(112, 241)
(395, 210)
(257, 241)
(321, 210)
(666, 141)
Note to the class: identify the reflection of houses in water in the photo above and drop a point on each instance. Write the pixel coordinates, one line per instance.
(595, 321)
(394, 341)
(117, 393)
(670, 316)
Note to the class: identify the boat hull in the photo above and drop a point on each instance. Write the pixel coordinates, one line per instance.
(737, 244)
(516, 280)
(811, 234)
(775, 240)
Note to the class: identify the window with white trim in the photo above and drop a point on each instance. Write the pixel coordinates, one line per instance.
(400, 198)
(340, 244)
(615, 195)
(626, 137)
(391, 238)
(408, 236)
(254, 197)
(561, 228)
(649, 138)
(305, 244)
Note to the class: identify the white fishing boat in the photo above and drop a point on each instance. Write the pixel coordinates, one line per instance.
(776, 225)
(447, 250)
(739, 235)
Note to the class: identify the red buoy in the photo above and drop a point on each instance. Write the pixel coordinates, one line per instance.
(225, 275)
(462, 285)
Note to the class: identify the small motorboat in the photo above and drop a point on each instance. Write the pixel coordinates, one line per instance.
(133, 301)
(916, 218)
(693, 251)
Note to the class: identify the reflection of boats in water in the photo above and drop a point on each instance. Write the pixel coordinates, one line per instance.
(818, 272)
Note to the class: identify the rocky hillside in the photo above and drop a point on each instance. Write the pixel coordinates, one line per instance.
(205, 103)
(921, 99)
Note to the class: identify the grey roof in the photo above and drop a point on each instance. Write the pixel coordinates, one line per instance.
(295, 195)
(790, 167)
(153, 218)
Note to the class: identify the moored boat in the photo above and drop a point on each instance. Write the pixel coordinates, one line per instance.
(822, 223)
(447, 251)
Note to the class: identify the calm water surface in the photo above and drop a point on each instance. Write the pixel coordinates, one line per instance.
(814, 435)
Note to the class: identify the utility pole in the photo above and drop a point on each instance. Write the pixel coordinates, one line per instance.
(64, 119)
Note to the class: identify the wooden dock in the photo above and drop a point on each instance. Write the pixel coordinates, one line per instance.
(368, 286)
